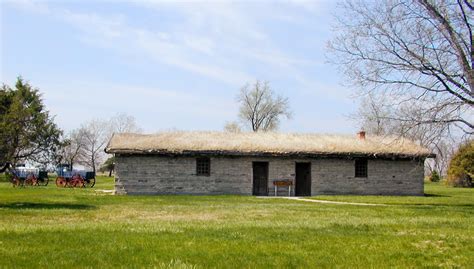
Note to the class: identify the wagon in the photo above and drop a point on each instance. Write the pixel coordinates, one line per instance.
(29, 176)
(74, 178)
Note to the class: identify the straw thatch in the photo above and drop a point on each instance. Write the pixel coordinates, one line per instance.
(275, 144)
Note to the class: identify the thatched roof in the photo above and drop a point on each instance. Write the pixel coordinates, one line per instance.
(269, 144)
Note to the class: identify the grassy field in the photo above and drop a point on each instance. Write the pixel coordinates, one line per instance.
(64, 228)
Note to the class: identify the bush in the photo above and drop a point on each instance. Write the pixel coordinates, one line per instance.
(4, 177)
(461, 167)
(434, 177)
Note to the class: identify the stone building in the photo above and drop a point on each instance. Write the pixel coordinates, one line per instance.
(264, 163)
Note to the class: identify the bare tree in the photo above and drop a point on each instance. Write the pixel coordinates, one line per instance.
(444, 150)
(415, 51)
(372, 115)
(123, 123)
(94, 136)
(86, 145)
(376, 116)
(232, 127)
(261, 107)
(72, 149)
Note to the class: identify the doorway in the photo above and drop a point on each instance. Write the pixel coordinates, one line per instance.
(303, 179)
(260, 178)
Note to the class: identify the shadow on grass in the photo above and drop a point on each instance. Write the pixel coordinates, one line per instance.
(435, 195)
(46, 206)
(421, 205)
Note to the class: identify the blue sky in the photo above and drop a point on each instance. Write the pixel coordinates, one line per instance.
(175, 65)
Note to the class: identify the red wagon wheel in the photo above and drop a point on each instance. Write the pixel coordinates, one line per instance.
(77, 181)
(61, 182)
(31, 180)
(80, 183)
(16, 181)
(35, 181)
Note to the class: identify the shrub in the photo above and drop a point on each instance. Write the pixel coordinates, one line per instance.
(461, 167)
(434, 177)
(5, 177)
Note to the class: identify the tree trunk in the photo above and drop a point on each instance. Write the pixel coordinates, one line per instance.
(93, 164)
(110, 172)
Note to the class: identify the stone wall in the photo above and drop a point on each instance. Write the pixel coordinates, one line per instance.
(385, 177)
(147, 174)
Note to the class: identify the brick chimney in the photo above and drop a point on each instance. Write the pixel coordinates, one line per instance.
(361, 135)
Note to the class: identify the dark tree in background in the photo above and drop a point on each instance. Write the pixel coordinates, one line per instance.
(416, 52)
(461, 167)
(27, 131)
(108, 165)
(261, 107)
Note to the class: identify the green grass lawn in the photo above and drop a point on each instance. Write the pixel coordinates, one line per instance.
(63, 228)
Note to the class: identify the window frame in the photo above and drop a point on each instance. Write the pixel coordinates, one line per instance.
(361, 168)
(203, 166)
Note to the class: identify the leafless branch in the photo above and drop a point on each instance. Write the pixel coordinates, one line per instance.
(261, 107)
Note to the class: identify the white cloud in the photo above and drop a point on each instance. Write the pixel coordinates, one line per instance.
(216, 40)
(107, 27)
(114, 33)
(225, 41)
(233, 29)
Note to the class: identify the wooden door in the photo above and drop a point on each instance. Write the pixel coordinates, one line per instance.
(260, 178)
(303, 179)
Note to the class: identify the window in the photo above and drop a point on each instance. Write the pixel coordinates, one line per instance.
(361, 168)
(203, 167)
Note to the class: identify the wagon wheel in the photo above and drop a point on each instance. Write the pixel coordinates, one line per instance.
(77, 181)
(61, 182)
(45, 181)
(31, 180)
(90, 182)
(16, 181)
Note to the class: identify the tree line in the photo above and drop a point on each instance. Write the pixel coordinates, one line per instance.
(29, 133)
